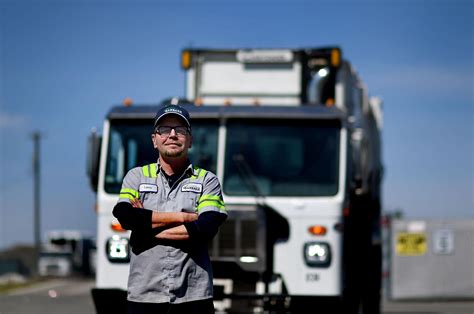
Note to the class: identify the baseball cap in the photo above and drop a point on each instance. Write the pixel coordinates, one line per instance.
(167, 109)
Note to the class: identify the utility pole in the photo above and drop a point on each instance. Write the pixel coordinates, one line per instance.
(36, 194)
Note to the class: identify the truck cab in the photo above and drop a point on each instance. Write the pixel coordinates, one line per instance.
(295, 141)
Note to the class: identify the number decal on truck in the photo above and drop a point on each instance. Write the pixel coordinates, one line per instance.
(312, 277)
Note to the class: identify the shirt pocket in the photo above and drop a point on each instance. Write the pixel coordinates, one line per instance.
(187, 201)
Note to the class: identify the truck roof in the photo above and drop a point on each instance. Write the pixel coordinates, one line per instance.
(222, 112)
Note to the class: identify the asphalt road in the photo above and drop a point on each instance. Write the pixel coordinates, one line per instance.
(71, 296)
(57, 296)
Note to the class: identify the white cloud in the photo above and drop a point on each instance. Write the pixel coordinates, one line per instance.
(8, 120)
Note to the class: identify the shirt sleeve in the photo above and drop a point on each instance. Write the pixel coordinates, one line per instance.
(130, 184)
(129, 217)
(206, 226)
(211, 198)
(211, 210)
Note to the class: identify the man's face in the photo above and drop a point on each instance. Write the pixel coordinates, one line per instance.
(174, 144)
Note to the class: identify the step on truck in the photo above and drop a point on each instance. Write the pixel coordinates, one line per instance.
(296, 143)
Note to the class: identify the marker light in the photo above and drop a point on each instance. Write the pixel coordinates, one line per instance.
(198, 102)
(330, 102)
(116, 226)
(186, 59)
(317, 230)
(346, 211)
(335, 57)
(127, 102)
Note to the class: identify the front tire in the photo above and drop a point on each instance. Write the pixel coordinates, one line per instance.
(362, 257)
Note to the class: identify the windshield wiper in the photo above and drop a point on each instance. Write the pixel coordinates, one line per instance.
(248, 177)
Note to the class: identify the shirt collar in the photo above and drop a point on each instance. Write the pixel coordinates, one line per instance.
(189, 169)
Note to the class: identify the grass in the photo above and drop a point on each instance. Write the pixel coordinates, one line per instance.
(10, 286)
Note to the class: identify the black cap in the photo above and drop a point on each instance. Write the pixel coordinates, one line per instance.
(167, 109)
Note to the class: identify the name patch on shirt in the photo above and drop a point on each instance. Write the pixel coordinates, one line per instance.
(147, 187)
(192, 187)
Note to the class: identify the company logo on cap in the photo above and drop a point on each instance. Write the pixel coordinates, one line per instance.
(173, 110)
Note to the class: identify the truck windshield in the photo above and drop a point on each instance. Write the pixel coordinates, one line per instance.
(130, 146)
(281, 158)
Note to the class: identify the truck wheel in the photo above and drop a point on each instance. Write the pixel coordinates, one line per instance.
(372, 295)
(362, 259)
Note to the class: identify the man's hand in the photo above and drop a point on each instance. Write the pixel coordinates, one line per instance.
(136, 203)
(165, 219)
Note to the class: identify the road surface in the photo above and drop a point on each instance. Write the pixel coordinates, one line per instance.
(71, 296)
(57, 296)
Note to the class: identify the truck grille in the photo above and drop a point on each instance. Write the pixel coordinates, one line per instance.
(242, 235)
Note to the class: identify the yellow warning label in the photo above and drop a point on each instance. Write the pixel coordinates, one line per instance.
(411, 244)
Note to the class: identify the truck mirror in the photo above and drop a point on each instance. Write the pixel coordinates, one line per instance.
(93, 158)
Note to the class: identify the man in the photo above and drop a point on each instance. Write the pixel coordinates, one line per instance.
(173, 209)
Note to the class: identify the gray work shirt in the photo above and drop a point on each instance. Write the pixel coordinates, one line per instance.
(174, 272)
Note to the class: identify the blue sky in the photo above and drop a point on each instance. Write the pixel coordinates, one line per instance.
(64, 63)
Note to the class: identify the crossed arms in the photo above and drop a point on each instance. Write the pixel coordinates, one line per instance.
(168, 225)
(172, 224)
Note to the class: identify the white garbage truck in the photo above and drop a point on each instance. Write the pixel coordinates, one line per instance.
(295, 140)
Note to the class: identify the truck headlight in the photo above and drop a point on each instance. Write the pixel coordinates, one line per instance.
(118, 250)
(317, 254)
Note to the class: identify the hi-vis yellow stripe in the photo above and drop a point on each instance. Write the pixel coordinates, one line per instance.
(209, 197)
(211, 200)
(150, 170)
(200, 173)
(129, 193)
